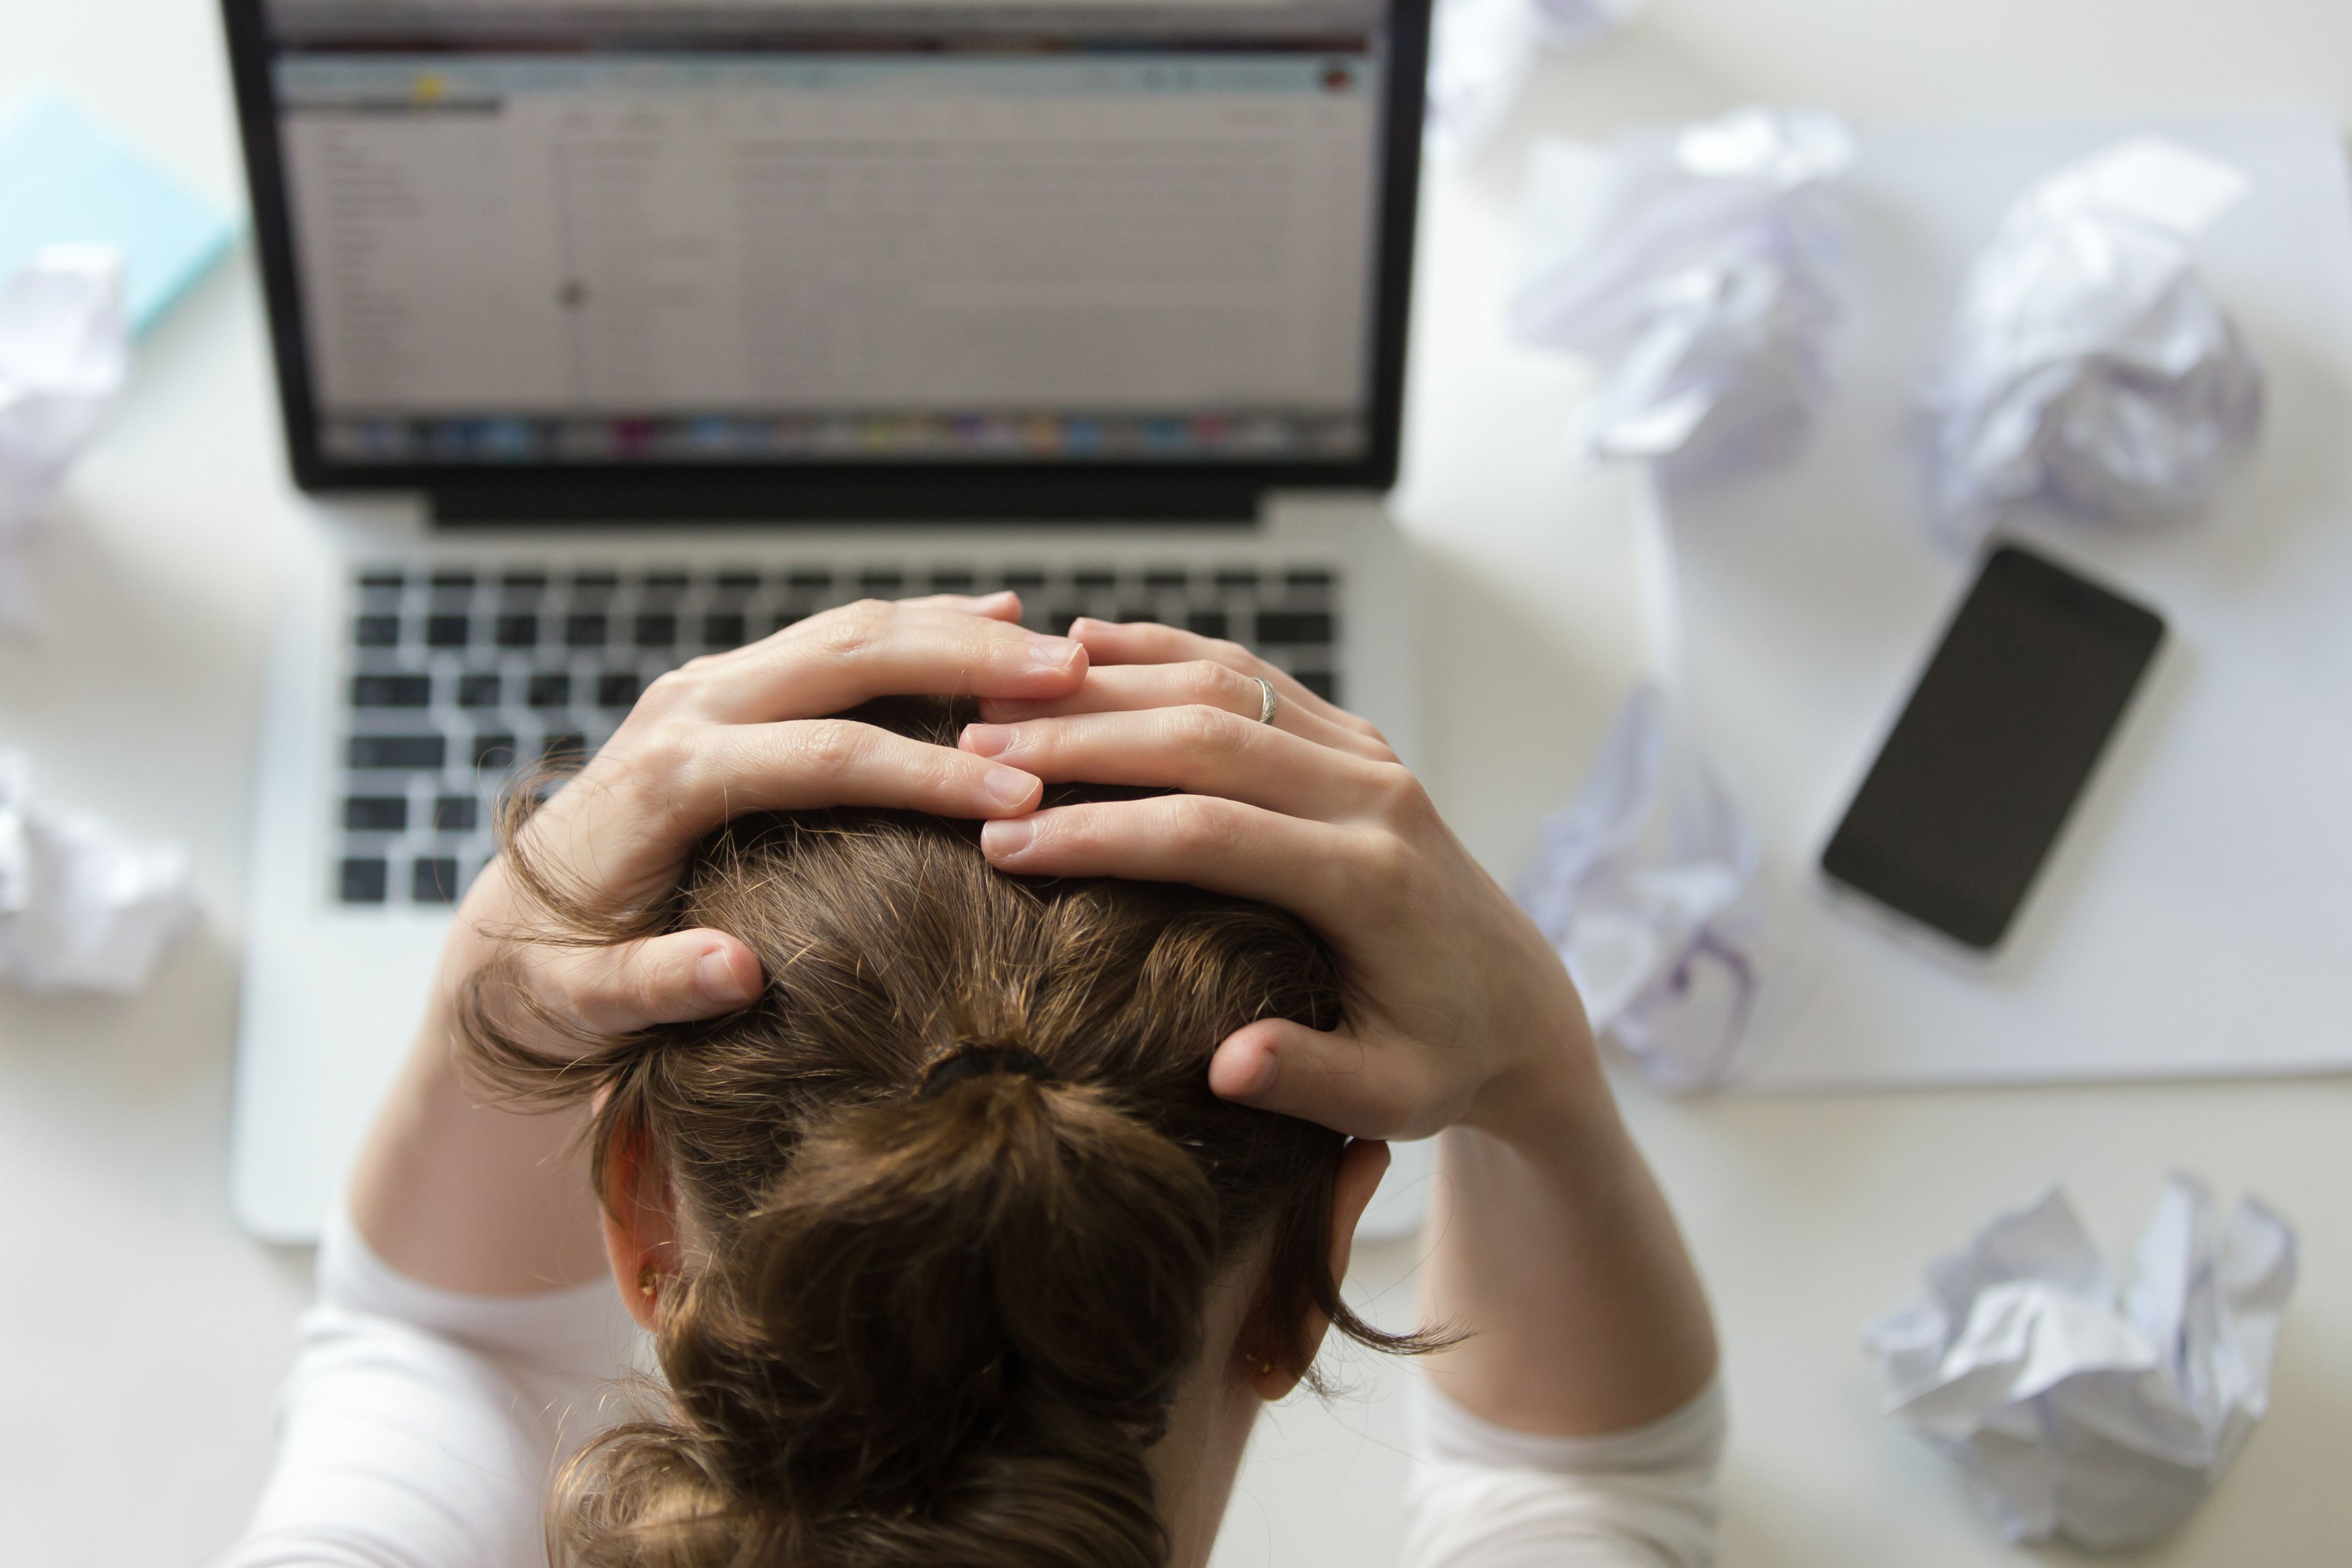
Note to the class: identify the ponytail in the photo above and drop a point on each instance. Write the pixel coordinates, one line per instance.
(948, 1337)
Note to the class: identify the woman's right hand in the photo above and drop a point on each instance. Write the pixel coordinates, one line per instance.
(746, 730)
(1462, 1013)
(476, 1197)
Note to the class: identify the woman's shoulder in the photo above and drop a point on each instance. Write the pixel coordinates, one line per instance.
(1485, 1496)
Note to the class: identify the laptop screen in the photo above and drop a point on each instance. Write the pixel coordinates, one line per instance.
(579, 235)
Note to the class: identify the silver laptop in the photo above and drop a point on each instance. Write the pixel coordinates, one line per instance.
(611, 333)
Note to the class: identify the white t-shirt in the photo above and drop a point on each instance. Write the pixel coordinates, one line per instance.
(420, 1429)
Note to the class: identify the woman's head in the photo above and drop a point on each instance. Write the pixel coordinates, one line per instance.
(954, 1204)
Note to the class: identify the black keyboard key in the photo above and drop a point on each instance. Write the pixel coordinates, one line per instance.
(1087, 579)
(1321, 682)
(456, 813)
(882, 583)
(383, 580)
(1166, 577)
(595, 582)
(954, 580)
(494, 753)
(1208, 623)
(809, 581)
(584, 631)
(788, 619)
(1061, 621)
(723, 631)
(447, 631)
(523, 581)
(375, 814)
(1306, 578)
(548, 689)
(656, 631)
(664, 582)
(737, 581)
(616, 688)
(1237, 577)
(453, 579)
(1135, 613)
(517, 631)
(1022, 579)
(564, 748)
(1285, 627)
(478, 692)
(399, 751)
(376, 631)
(433, 880)
(363, 880)
(392, 691)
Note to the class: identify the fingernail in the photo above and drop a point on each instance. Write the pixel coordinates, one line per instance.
(1057, 655)
(1005, 838)
(719, 980)
(1009, 786)
(987, 739)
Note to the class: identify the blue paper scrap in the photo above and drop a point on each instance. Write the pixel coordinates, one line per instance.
(67, 179)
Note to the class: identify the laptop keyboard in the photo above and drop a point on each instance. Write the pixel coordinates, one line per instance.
(462, 681)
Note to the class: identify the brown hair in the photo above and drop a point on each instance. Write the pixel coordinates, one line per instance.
(943, 1323)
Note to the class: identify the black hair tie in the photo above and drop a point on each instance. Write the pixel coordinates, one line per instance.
(974, 1060)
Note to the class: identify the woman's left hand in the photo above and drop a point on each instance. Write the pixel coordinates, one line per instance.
(1460, 1012)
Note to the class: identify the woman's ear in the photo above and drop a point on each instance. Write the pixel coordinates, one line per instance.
(640, 1222)
(1361, 1165)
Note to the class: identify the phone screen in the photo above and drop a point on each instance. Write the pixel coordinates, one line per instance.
(1999, 737)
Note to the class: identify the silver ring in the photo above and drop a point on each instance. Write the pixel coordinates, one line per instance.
(1265, 701)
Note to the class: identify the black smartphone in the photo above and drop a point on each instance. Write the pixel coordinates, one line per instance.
(1998, 740)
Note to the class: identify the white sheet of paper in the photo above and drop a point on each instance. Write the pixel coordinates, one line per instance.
(81, 907)
(2088, 364)
(2190, 921)
(2076, 1408)
(1645, 885)
(1480, 52)
(1703, 266)
(63, 354)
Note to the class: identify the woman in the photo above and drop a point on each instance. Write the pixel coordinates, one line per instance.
(944, 1262)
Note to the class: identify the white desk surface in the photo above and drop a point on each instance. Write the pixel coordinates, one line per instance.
(144, 1335)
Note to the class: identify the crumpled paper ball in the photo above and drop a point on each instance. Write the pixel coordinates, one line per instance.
(81, 908)
(1708, 283)
(1645, 885)
(64, 352)
(2089, 366)
(1480, 52)
(2075, 1407)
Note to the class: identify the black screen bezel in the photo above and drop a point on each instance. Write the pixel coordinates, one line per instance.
(903, 490)
(2132, 628)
